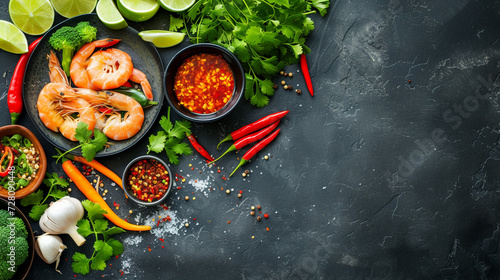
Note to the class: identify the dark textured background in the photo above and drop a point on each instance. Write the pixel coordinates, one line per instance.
(389, 172)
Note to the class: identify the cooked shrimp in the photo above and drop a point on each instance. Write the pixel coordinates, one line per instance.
(85, 114)
(109, 69)
(56, 73)
(140, 78)
(48, 104)
(78, 67)
(116, 127)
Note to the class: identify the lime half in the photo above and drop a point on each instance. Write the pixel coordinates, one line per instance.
(162, 38)
(33, 17)
(72, 8)
(109, 15)
(138, 10)
(176, 5)
(12, 39)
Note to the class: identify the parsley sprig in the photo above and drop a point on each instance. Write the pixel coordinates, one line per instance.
(58, 188)
(104, 248)
(265, 35)
(89, 145)
(170, 139)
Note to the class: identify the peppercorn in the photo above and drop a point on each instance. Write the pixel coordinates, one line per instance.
(186, 197)
(259, 218)
(298, 91)
(290, 74)
(275, 86)
(285, 87)
(239, 195)
(283, 82)
(252, 213)
(252, 207)
(266, 157)
(290, 87)
(282, 72)
(258, 207)
(228, 191)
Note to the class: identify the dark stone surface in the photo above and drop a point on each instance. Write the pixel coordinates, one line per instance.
(389, 172)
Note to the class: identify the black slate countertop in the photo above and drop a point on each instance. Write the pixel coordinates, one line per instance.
(391, 170)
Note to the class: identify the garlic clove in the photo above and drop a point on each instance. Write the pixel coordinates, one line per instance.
(62, 216)
(49, 248)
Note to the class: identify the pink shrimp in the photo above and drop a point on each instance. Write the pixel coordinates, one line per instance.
(109, 69)
(116, 127)
(78, 67)
(85, 114)
(140, 78)
(48, 104)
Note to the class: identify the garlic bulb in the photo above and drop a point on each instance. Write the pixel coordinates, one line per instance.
(61, 217)
(49, 248)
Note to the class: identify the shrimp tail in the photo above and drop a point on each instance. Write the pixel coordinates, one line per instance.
(140, 78)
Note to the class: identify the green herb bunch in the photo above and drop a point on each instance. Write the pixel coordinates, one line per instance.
(104, 248)
(170, 139)
(265, 35)
(58, 188)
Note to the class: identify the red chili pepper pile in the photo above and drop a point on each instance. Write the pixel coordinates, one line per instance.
(244, 136)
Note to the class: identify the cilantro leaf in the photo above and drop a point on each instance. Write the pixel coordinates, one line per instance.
(33, 198)
(116, 245)
(100, 225)
(321, 6)
(175, 23)
(58, 193)
(84, 227)
(94, 210)
(37, 211)
(82, 132)
(157, 142)
(111, 231)
(80, 263)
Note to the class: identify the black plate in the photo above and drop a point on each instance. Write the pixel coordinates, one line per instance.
(144, 56)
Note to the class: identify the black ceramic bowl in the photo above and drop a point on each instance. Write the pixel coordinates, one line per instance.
(23, 269)
(127, 187)
(238, 74)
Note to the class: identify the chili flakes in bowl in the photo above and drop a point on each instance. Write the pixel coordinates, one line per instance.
(147, 180)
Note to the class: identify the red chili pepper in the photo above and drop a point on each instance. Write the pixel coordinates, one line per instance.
(199, 147)
(263, 122)
(255, 149)
(15, 94)
(305, 71)
(7, 152)
(242, 142)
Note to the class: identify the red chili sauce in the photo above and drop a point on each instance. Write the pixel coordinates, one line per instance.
(148, 180)
(204, 83)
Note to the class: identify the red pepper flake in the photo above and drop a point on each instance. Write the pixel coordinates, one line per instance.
(116, 257)
(194, 219)
(162, 240)
(158, 223)
(228, 222)
(116, 204)
(149, 248)
(266, 215)
(224, 178)
(162, 246)
(151, 182)
(241, 191)
(204, 83)
(267, 228)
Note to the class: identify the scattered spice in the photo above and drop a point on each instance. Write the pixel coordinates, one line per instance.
(266, 216)
(259, 218)
(204, 83)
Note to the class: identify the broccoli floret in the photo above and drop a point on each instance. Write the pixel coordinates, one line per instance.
(87, 32)
(4, 239)
(6, 270)
(4, 216)
(22, 249)
(20, 228)
(70, 39)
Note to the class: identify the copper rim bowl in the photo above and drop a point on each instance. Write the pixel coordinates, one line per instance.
(9, 130)
(178, 59)
(23, 269)
(126, 185)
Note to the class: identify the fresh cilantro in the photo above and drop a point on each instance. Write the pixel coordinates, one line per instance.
(170, 139)
(88, 144)
(57, 190)
(265, 36)
(104, 248)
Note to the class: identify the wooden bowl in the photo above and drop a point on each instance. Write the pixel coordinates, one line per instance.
(9, 130)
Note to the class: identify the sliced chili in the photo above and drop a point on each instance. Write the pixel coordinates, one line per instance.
(255, 149)
(15, 93)
(242, 142)
(305, 72)
(263, 122)
(7, 152)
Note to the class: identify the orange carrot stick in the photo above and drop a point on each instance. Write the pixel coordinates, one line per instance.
(88, 190)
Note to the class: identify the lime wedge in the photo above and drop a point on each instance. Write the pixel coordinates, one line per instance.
(162, 38)
(109, 15)
(176, 5)
(71, 8)
(138, 10)
(12, 39)
(33, 17)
